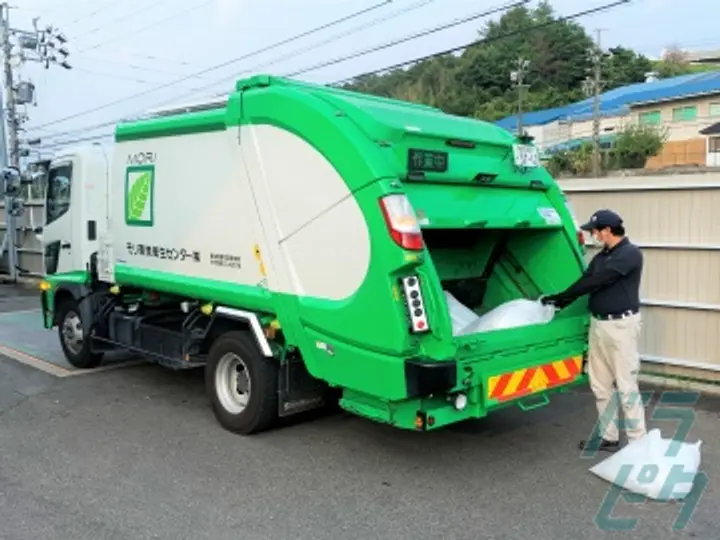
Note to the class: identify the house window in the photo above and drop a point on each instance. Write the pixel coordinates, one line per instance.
(650, 118)
(714, 145)
(684, 114)
(715, 109)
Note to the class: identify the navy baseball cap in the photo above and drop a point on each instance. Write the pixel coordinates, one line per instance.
(602, 219)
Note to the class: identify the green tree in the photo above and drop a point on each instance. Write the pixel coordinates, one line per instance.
(635, 144)
(622, 67)
(477, 82)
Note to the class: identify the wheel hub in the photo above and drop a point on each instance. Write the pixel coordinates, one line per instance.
(232, 382)
(72, 333)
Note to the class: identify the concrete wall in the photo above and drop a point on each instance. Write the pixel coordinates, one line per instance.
(673, 219)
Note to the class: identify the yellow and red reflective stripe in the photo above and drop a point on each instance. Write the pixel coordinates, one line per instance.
(515, 384)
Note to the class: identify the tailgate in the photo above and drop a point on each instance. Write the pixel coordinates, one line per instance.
(528, 362)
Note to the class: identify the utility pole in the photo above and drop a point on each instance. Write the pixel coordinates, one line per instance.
(10, 108)
(9, 241)
(517, 76)
(593, 87)
(46, 46)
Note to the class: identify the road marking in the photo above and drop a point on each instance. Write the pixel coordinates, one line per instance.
(110, 367)
(59, 371)
(34, 362)
(13, 312)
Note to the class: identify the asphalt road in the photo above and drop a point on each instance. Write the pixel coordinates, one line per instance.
(136, 454)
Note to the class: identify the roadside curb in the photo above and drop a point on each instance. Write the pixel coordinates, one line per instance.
(672, 382)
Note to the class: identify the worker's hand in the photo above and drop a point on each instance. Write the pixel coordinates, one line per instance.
(555, 300)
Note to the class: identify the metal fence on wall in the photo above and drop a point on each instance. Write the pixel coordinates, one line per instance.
(673, 218)
(30, 254)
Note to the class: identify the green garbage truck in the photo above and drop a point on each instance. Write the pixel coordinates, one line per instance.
(302, 243)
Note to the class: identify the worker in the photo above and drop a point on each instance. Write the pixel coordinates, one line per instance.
(612, 281)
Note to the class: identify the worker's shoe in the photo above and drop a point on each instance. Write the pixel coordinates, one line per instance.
(599, 444)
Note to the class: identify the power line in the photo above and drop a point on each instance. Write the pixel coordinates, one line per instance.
(144, 8)
(417, 35)
(154, 24)
(411, 37)
(58, 144)
(415, 60)
(218, 66)
(369, 24)
(295, 53)
(152, 57)
(93, 13)
(115, 76)
(140, 68)
(53, 134)
(483, 41)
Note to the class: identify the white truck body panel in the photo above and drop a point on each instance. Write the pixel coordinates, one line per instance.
(254, 205)
(317, 236)
(198, 214)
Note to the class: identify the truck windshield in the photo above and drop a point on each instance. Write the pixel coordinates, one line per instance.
(58, 192)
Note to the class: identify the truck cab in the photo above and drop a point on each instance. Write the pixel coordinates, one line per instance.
(75, 203)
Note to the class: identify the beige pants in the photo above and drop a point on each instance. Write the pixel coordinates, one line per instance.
(613, 359)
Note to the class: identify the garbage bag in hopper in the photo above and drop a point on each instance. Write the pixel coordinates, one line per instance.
(661, 469)
(512, 314)
(461, 316)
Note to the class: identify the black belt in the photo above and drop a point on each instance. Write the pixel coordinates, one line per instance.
(614, 316)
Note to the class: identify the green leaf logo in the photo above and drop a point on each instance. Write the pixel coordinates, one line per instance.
(138, 197)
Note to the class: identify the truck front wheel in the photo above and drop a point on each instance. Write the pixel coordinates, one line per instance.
(74, 342)
(241, 384)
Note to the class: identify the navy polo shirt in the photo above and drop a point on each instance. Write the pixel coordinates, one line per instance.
(612, 281)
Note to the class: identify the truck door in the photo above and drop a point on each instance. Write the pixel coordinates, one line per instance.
(58, 228)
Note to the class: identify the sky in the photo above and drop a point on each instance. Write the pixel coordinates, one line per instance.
(129, 56)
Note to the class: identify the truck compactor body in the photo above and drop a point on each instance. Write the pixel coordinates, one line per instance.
(298, 242)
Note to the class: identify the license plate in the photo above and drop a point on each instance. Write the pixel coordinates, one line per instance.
(526, 155)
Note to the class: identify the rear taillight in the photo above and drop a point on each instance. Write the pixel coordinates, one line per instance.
(415, 304)
(402, 222)
(581, 238)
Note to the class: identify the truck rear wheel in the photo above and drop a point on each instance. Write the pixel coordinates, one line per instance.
(241, 384)
(74, 343)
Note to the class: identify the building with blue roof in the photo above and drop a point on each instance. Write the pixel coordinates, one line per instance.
(686, 106)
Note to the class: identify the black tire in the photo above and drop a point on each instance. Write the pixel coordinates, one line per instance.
(78, 355)
(261, 408)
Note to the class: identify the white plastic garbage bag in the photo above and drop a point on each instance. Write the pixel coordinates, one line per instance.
(512, 314)
(658, 468)
(461, 316)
